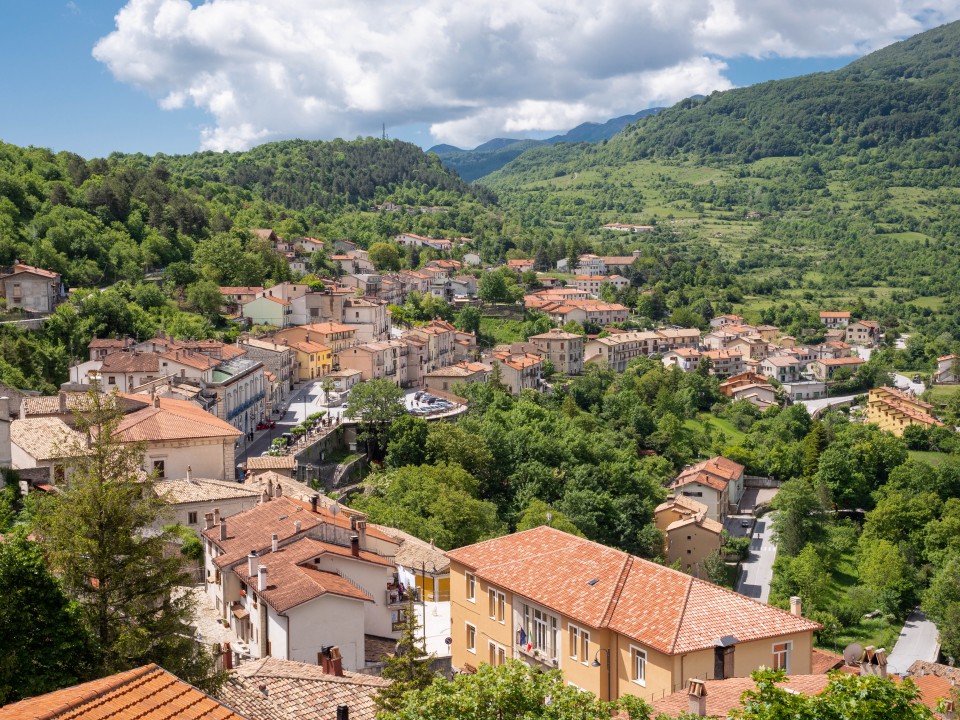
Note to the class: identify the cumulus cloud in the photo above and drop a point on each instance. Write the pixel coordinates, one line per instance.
(268, 69)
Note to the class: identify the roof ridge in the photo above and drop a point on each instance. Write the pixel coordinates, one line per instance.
(135, 675)
(617, 591)
(683, 611)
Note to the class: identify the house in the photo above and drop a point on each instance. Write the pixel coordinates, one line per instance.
(805, 390)
(323, 306)
(440, 338)
(728, 386)
(462, 286)
(471, 258)
(761, 395)
(235, 297)
(590, 265)
(617, 350)
(724, 362)
(518, 371)
(863, 332)
(825, 368)
(269, 689)
(625, 227)
(314, 359)
(377, 360)
(276, 465)
(268, 310)
(563, 349)
(293, 577)
(445, 379)
(520, 266)
(44, 442)
(144, 692)
(32, 289)
(591, 283)
(594, 311)
(288, 291)
(278, 359)
(619, 263)
(782, 368)
(370, 317)
(336, 336)
(895, 410)
(99, 348)
(716, 483)
(676, 338)
(750, 346)
(344, 379)
(181, 439)
(308, 245)
(689, 535)
(191, 498)
(719, 339)
(687, 359)
(130, 369)
(720, 320)
(240, 387)
(614, 624)
(833, 320)
(948, 370)
(366, 284)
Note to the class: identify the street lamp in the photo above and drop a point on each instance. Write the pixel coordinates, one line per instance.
(596, 663)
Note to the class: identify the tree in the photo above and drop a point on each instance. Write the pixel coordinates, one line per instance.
(468, 320)
(375, 404)
(45, 645)
(409, 668)
(205, 298)
(799, 518)
(942, 603)
(408, 439)
(511, 690)
(536, 514)
(97, 534)
(384, 256)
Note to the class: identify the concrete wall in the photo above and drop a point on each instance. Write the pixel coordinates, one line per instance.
(206, 458)
(328, 620)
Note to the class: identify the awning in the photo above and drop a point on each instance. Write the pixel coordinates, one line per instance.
(240, 613)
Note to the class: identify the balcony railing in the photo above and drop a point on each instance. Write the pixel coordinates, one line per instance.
(397, 598)
(245, 405)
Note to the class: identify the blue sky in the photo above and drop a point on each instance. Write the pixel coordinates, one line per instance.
(174, 76)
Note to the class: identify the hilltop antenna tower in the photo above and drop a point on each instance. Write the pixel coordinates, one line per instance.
(384, 136)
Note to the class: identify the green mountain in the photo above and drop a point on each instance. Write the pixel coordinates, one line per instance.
(492, 155)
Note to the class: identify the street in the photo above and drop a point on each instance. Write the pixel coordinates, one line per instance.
(918, 641)
(901, 381)
(756, 572)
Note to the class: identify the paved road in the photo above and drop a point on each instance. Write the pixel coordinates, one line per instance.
(918, 641)
(756, 572)
(901, 381)
(814, 406)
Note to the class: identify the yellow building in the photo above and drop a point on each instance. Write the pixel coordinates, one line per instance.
(313, 359)
(613, 623)
(895, 410)
(689, 535)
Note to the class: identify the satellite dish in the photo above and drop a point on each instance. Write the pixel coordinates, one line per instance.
(852, 653)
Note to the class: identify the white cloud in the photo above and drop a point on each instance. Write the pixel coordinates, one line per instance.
(267, 69)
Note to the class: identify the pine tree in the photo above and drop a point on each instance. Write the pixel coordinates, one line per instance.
(409, 668)
(97, 533)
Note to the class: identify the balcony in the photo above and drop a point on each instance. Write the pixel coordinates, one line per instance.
(245, 405)
(398, 598)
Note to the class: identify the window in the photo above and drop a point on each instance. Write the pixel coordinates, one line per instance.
(471, 638)
(781, 656)
(638, 666)
(191, 518)
(159, 467)
(501, 607)
(574, 632)
(498, 654)
(471, 587)
(111, 379)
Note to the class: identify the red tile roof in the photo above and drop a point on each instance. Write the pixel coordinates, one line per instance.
(172, 420)
(665, 609)
(835, 315)
(20, 267)
(147, 692)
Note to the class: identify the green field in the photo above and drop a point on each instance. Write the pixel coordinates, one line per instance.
(716, 424)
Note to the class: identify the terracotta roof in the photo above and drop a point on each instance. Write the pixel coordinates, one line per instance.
(172, 420)
(241, 290)
(253, 529)
(662, 608)
(823, 661)
(191, 358)
(268, 462)
(50, 404)
(46, 438)
(21, 268)
(684, 503)
(146, 692)
(518, 361)
(201, 490)
(417, 553)
(272, 689)
(291, 582)
(724, 695)
(834, 314)
(699, 519)
(903, 396)
(556, 334)
(842, 361)
(124, 361)
(459, 370)
(922, 667)
(110, 343)
(718, 466)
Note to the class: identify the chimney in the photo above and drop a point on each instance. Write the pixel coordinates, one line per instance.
(264, 497)
(274, 542)
(697, 694)
(313, 502)
(189, 473)
(796, 608)
(223, 529)
(355, 545)
(278, 491)
(156, 401)
(949, 709)
(216, 516)
(362, 532)
(262, 578)
(208, 521)
(331, 661)
(253, 563)
(343, 712)
(62, 397)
